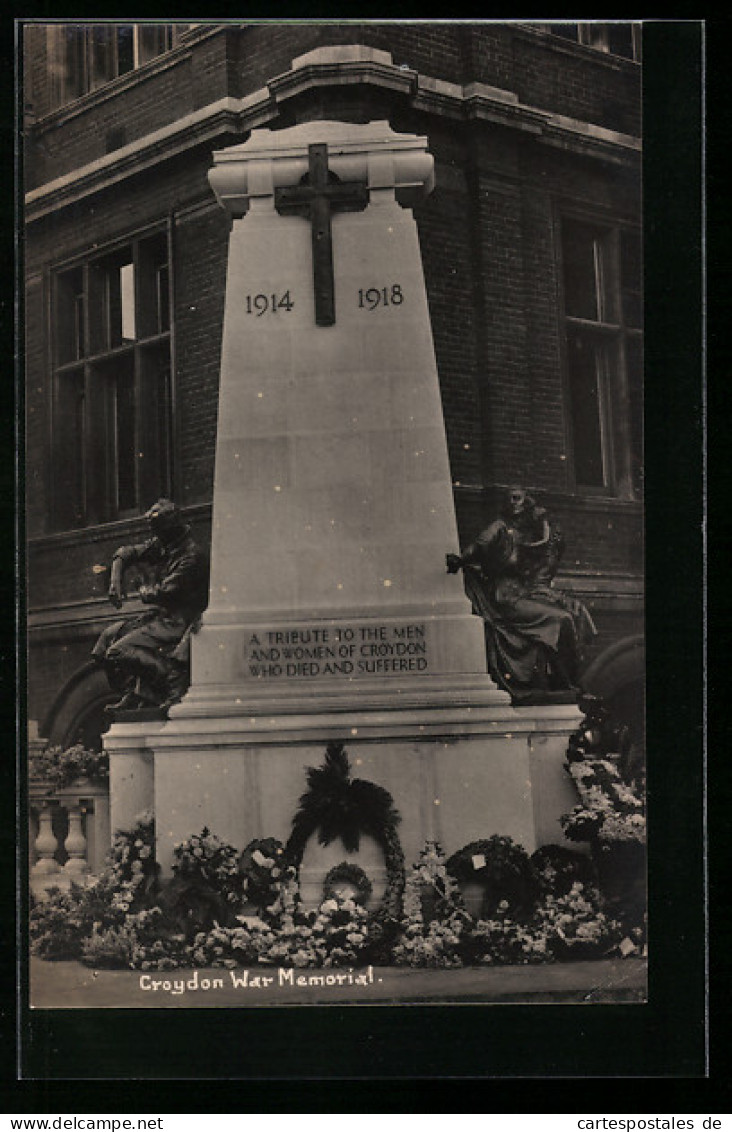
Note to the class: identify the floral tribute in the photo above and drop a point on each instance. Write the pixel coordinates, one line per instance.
(610, 810)
(435, 921)
(348, 880)
(557, 868)
(338, 934)
(60, 766)
(225, 908)
(133, 869)
(207, 884)
(336, 805)
(126, 920)
(501, 868)
(67, 922)
(610, 818)
(575, 926)
(269, 880)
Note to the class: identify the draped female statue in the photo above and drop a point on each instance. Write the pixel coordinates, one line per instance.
(534, 633)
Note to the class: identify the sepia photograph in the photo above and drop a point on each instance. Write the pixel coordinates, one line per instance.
(334, 514)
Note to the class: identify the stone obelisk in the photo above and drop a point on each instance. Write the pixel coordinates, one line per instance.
(333, 505)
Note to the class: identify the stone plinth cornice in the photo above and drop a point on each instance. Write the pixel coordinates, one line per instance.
(371, 153)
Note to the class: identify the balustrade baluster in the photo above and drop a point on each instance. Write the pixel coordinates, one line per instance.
(46, 870)
(75, 845)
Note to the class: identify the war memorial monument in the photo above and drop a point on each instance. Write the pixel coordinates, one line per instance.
(331, 616)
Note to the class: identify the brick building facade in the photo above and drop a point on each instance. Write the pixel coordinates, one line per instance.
(531, 251)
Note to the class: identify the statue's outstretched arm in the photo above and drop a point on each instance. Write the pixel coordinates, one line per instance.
(456, 562)
(124, 556)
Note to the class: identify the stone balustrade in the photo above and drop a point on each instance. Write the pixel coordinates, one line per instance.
(69, 834)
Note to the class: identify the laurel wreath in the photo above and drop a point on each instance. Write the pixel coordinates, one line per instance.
(352, 874)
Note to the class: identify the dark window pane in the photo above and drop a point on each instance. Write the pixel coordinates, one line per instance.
(69, 445)
(73, 71)
(584, 365)
(113, 301)
(631, 278)
(152, 286)
(580, 256)
(634, 364)
(112, 309)
(154, 449)
(101, 48)
(70, 316)
(125, 48)
(79, 325)
(152, 40)
(566, 31)
(620, 39)
(162, 299)
(124, 394)
(595, 35)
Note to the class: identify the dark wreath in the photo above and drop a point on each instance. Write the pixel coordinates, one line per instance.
(335, 805)
(352, 874)
(505, 873)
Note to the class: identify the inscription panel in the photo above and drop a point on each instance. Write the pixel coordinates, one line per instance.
(337, 650)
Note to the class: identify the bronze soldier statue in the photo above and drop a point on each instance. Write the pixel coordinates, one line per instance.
(147, 657)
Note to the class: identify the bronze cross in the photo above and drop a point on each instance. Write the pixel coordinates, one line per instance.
(317, 199)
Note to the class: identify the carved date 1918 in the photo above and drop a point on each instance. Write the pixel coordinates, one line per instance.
(373, 297)
(261, 303)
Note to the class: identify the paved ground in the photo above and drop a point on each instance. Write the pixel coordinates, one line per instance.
(64, 985)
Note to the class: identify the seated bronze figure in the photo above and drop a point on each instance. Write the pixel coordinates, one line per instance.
(147, 657)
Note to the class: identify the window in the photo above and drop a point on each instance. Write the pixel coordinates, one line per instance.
(622, 39)
(82, 57)
(111, 386)
(602, 285)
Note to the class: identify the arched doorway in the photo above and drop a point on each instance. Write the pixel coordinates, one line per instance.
(618, 676)
(77, 713)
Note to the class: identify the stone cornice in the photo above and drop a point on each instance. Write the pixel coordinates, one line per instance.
(346, 65)
(322, 68)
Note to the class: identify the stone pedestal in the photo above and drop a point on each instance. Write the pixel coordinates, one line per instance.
(456, 774)
(331, 614)
(470, 775)
(131, 772)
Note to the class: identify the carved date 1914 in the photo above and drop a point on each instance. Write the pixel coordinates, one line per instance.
(261, 303)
